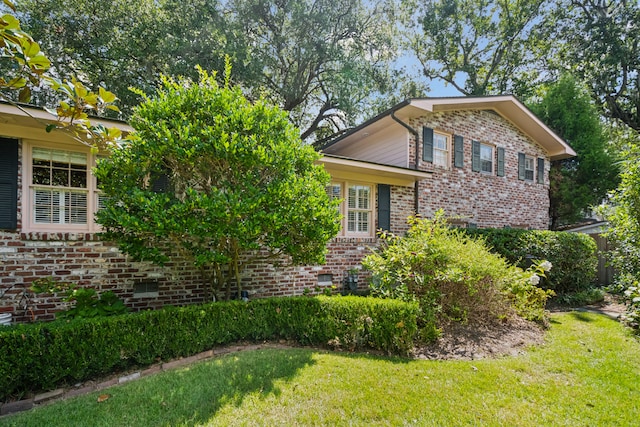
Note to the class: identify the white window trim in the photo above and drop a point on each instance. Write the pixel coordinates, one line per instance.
(28, 220)
(447, 164)
(344, 188)
(493, 157)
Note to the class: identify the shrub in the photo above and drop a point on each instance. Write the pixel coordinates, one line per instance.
(45, 355)
(453, 277)
(573, 255)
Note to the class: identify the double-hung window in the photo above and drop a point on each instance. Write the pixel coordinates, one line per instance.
(486, 158)
(529, 163)
(61, 192)
(441, 149)
(356, 207)
(359, 214)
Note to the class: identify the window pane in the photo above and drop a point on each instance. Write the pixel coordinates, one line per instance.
(528, 168)
(486, 152)
(351, 221)
(363, 221)
(363, 198)
(76, 208)
(59, 207)
(486, 158)
(352, 197)
(79, 179)
(440, 157)
(41, 176)
(440, 141)
(60, 177)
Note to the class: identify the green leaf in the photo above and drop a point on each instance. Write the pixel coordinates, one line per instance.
(24, 95)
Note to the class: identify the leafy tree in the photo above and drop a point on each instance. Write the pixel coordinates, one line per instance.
(243, 186)
(124, 44)
(321, 61)
(477, 46)
(599, 41)
(27, 67)
(579, 183)
(623, 214)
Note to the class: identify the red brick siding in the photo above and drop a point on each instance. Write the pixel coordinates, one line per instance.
(487, 200)
(81, 258)
(484, 199)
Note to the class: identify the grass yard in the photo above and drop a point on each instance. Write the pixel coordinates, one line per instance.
(587, 374)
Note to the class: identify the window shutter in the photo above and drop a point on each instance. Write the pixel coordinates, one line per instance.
(160, 183)
(427, 144)
(384, 207)
(540, 170)
(500, 168)
(475, 156)
(458, 151)
(8, 184)
(521, 174)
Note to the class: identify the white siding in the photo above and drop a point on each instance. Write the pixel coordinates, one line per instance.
(389, 146)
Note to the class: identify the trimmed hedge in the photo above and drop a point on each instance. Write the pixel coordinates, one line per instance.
(573, 255)
(42, 356)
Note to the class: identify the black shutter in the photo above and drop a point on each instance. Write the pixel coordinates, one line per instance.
(475, 156)
(521, 174)
(540, 170)
(384, 207)
(458, 151)
(8, 184)
(500, 168)
(427, 144)
(160, 182)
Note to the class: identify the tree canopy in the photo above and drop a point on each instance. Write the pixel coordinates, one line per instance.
(480, 47)
(321, 61)
(580, 183)
(25, 67)
(599, 41)
(241, 183)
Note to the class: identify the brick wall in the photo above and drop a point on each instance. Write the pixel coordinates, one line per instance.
(486, 200)
(82, 259)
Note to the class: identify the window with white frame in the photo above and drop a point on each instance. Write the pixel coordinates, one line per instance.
(356, 207)
(62, 194)
(529, 164)
(441, 143)
(486, 158)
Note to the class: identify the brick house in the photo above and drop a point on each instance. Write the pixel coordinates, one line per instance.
(484, 160)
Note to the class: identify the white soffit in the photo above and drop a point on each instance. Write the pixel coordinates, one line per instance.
(349, 169)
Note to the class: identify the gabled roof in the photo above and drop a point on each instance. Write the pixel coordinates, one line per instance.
(507, 106)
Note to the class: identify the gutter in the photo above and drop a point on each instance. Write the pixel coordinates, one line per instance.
(416, 199)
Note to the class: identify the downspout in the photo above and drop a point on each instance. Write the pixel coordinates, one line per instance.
(416, 199)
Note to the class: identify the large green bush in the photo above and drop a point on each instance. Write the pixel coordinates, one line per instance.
(452, 276)
(44, 355)
(573, 255)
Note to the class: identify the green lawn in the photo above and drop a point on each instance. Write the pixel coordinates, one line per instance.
(587, 374)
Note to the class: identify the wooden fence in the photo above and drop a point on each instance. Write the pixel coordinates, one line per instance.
(605, 273)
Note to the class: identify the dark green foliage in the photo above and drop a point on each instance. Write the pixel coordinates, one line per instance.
(85, 301)
(573, 255)
(45, 355)
(579, 183)
(239, 178)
